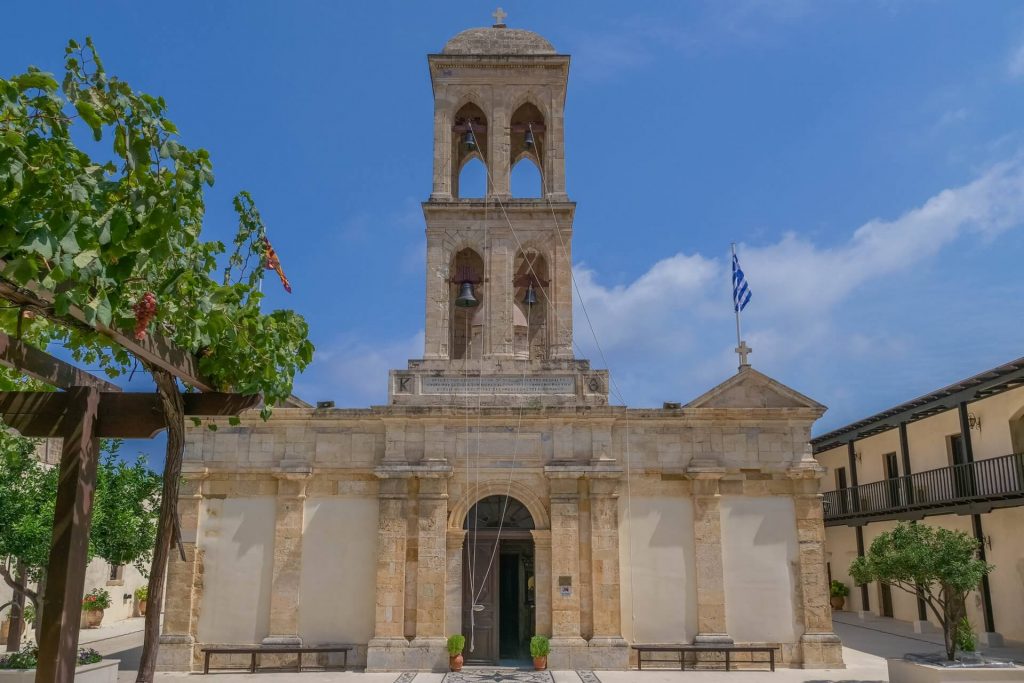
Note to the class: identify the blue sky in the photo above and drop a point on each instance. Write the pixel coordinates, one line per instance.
(868, 157)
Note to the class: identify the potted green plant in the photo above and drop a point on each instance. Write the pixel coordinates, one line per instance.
(838, 592)
(93, 604)
(540, 647)
(456, 643)
(141, 594)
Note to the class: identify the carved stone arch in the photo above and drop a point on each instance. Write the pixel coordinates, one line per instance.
(530, 97)
(459, 509)
(468, 97)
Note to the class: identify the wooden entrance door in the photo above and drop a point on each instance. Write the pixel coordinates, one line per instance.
(480, 621)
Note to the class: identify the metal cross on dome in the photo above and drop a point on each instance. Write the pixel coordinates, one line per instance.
(499, 17)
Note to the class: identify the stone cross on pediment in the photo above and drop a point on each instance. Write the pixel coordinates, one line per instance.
(743, 351)
(499, 17)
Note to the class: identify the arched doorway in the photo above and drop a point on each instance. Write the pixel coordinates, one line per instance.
(499, 583)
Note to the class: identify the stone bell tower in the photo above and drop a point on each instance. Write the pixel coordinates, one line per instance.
(499, 267)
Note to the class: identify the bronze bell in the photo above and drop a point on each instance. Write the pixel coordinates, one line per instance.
(469, 140)
(529, 137)
(466, 298)
(531, 296)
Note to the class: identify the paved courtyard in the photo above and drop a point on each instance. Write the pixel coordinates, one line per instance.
(867, 642)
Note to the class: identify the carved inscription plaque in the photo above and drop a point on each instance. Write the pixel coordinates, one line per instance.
(498, 385)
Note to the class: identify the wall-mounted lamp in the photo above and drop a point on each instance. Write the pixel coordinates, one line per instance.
(973, 421)
(988, 541)
(857, 455)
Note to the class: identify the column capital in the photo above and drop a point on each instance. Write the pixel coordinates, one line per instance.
(541, 538)
(454, 539)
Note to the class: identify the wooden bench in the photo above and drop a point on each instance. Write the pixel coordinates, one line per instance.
(683, 649)
(274, 650)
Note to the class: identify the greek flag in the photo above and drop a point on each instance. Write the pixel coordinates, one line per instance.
(740, 290)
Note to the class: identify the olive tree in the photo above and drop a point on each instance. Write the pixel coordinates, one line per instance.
(940, 565)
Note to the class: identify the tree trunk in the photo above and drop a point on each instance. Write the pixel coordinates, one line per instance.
(37, 602)
(17, 610)
(954, 611)
(174, 413)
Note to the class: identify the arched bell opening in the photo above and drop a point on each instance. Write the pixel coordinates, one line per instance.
(526, 180)
(469, 142)
(465, 295)
(526, 140)
(472, 179)
(533, 301)
(499, 588)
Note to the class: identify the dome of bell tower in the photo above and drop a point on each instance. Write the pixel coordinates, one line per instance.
(498, 40)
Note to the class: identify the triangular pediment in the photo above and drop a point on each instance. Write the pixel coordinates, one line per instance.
(751, 389)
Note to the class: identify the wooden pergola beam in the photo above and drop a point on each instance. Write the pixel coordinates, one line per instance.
(124, 415)
(42, 366)
(154, 348)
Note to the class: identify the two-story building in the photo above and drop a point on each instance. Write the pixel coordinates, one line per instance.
(952, 458)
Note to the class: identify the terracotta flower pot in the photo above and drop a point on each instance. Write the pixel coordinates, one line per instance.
(92, 618)
(142, 608)
(837, 602)
(455, 663)
(540, 663)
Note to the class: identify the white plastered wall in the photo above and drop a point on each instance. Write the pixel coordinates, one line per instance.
(237, 537)
(339, 559)
(760, 559)
(656, 561)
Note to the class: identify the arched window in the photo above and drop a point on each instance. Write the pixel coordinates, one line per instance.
(469, 140)
(467, 268)
(526, 180)
(527, 138)
(472, 179)
(532, 295)
(493, 512)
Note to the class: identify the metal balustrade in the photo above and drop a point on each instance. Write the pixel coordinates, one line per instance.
(975, 486)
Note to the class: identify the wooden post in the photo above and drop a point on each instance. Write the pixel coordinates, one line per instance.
(65, 573)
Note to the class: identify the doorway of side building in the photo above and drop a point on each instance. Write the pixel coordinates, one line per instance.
(498, 583)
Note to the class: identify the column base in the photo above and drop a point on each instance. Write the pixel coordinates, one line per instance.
(387, 654)
(429, 654)
(990, 639)
(567, 653)
(821, 651)
(712, 639)
(175, 653)
(607, 653)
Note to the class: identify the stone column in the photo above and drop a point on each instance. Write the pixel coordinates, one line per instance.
(607, 648)
(567, 644)
(431, 572)
(387, 649)
(184, 586)
(707, 541)
(821, 648)
(442, 185)
(287, 567)
(455, 538)
(542, 580)
(500, 150)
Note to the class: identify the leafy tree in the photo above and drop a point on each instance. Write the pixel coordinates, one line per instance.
(112, 228)
(125, 511)
(942, 564)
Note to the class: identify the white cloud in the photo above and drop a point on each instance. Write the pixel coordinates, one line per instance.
(671, 329)
(355, 371)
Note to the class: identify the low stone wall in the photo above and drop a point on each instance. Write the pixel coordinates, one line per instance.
(902, 671)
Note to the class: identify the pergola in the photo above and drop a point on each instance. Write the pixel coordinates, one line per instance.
(86, 409)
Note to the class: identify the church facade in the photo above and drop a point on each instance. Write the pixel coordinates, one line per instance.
(499, 493)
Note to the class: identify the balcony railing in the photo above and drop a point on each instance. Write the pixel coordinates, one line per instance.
(989, 483)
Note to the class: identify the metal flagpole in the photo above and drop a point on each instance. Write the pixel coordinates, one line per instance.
(735, 304)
